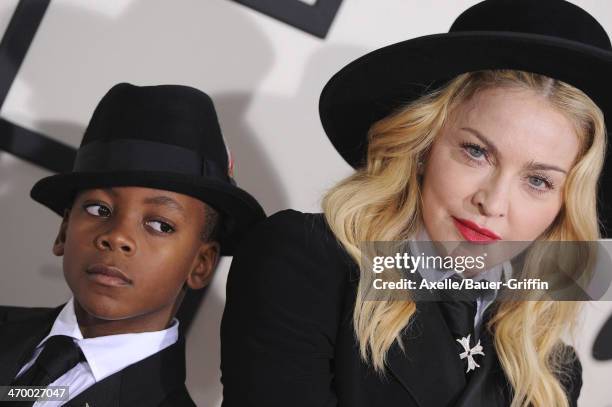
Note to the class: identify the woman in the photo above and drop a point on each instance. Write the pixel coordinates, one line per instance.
(494, 153)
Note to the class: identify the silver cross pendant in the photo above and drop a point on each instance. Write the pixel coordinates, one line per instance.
(470, 352)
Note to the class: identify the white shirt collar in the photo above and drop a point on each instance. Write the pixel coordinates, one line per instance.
(109, 354)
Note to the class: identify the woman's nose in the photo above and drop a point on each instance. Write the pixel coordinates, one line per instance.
(117, 238)
(492, 198)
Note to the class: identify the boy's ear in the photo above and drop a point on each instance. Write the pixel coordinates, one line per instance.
(60, 240)
(206, 262)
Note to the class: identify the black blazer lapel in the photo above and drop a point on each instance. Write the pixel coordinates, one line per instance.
(103, 394)
(19, 338)
(151, 382)
(431, 354)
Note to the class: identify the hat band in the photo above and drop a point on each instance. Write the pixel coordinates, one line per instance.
(144, 155)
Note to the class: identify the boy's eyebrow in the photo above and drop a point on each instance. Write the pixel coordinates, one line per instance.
(165, 201)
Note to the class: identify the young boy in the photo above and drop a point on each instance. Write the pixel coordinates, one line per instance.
(147, 210)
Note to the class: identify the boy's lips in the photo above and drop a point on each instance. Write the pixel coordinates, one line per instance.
(474, 233)
(108, 275)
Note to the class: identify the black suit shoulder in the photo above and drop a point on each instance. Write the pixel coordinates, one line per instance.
(9, 314)
(289, 237)
(285, 296)
(288, 227)
(178, 398)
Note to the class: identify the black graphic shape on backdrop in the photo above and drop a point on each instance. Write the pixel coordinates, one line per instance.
(602, 348)
(17, 39)
(26, 144)
(35, 147)
(314, 19)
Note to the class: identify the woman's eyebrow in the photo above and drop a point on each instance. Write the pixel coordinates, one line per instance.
(534, 166)
(488, 143)
(543, 167)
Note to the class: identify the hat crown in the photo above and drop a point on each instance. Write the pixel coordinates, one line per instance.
(174, 115)
(554, 18)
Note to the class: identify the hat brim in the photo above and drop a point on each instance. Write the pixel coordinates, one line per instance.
(240, 211)
(373, 86)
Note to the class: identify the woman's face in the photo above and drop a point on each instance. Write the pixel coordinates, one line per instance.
(498, 168)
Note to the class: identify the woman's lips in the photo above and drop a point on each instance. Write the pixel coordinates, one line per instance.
(474, 233)
(108, 275)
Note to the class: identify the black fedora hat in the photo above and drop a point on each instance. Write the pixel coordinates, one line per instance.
(163, 137)
(549, 37)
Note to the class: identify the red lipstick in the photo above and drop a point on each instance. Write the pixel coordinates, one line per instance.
(108, 275)
(474, 233)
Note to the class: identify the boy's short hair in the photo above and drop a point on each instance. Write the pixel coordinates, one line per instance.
(213, 225)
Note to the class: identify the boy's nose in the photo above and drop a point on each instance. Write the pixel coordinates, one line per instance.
(116, 240)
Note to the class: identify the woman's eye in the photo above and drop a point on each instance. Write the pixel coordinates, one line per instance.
(160, 226)
(540, 183)
(536, 182)
(98, 210)
(475, 152)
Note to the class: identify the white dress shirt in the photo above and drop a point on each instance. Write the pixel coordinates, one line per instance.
(434, 275)
(105, 355)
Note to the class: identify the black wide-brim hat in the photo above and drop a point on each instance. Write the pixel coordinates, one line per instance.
(163, 137)
(550, 37)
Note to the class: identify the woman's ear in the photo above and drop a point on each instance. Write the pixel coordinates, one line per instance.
(205, 264)
(420, 167)
(60, 240)
(422, 162)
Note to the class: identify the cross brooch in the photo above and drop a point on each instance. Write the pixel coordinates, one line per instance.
(469, 353)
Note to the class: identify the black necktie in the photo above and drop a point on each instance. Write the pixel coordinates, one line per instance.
(59, 355)
(459, 315)
(458, 308)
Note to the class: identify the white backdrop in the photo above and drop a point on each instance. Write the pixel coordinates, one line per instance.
(265, 78)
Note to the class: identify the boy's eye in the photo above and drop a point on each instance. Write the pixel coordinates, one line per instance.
(98, 210)
(160, 226)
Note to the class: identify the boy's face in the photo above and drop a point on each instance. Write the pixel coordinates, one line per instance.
(128, 251)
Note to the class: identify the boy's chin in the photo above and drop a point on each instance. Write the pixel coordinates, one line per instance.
(104, 309)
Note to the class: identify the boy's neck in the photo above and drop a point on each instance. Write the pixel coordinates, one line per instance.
(93, 327)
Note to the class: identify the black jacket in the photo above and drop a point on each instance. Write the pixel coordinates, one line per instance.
(287, 335)
(158, 380)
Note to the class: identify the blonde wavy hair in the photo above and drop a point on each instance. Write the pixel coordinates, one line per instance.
(382, 202)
